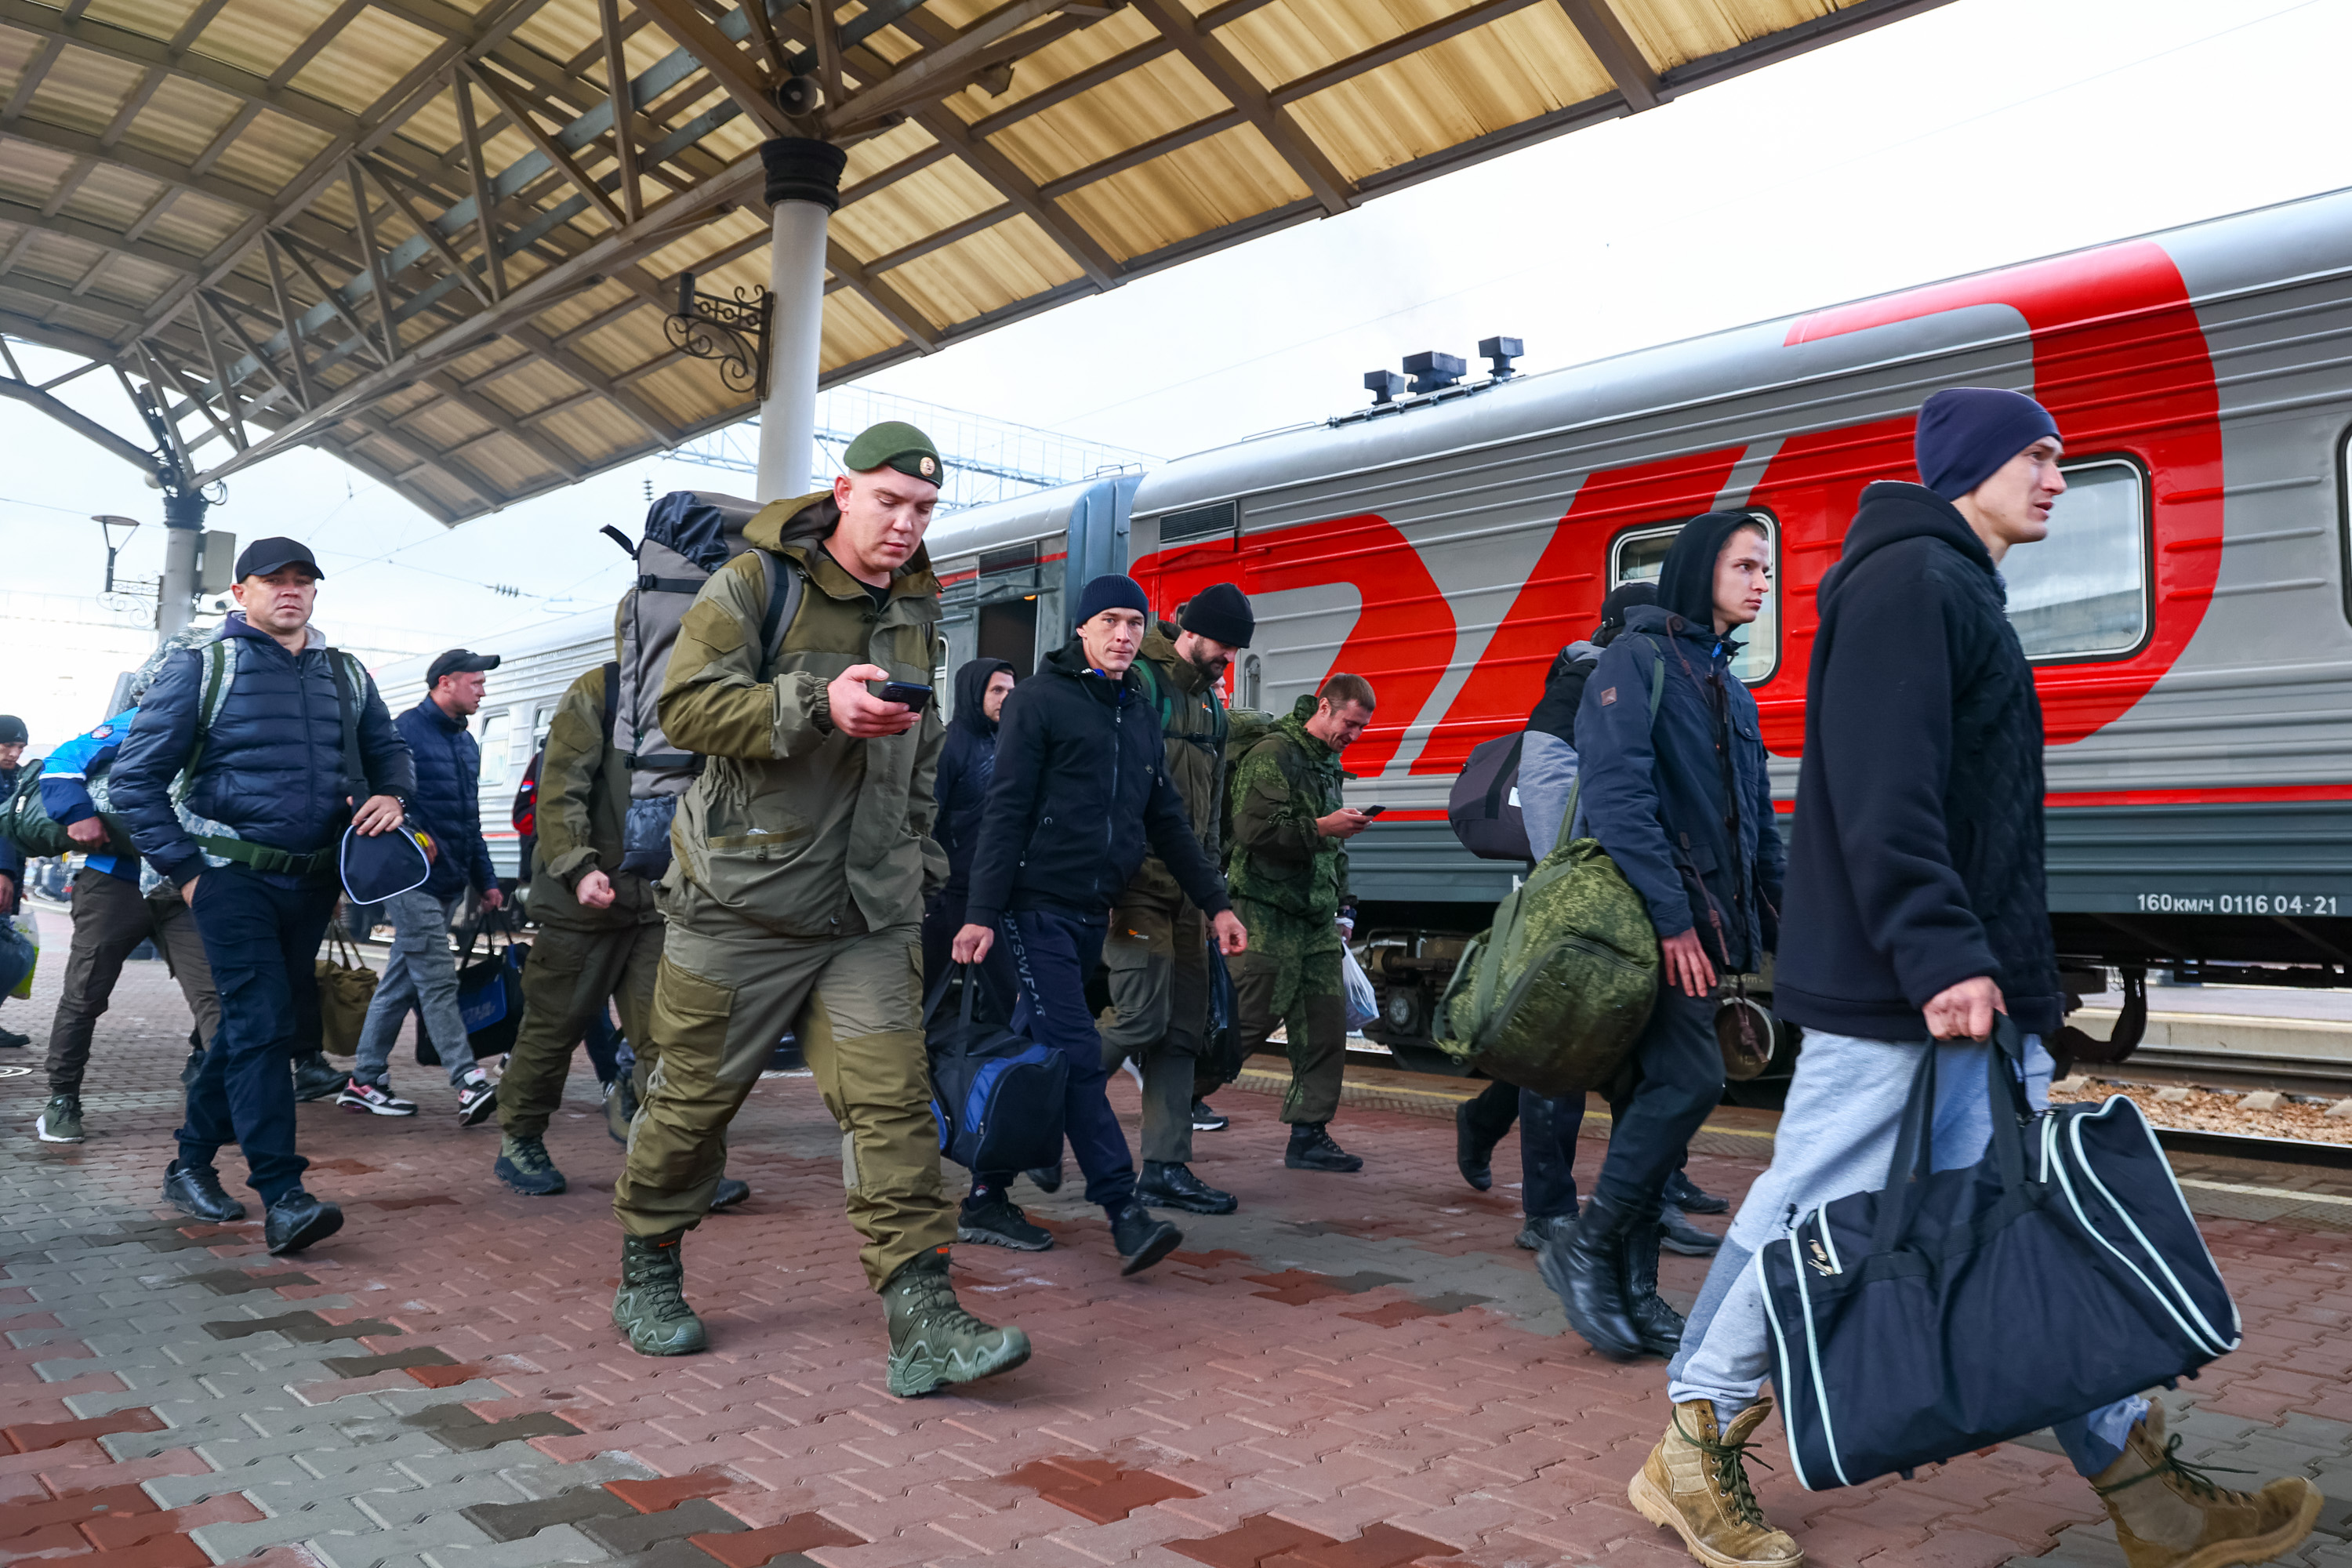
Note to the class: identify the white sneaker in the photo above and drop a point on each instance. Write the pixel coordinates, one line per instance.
(476, 1098)
(375, 1099)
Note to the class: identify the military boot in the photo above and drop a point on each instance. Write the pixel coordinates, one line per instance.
(933, 1340)
(1588, 1272)
(1659, 1326)
(1696, 1484)
(2169, 1514)
(523, 1164)
(650, 1306)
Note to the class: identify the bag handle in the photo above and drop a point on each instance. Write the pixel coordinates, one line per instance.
(1914, 1159)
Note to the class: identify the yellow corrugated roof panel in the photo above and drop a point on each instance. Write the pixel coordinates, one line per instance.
(179, 175)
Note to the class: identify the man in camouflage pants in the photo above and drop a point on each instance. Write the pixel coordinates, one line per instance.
(1288, 878)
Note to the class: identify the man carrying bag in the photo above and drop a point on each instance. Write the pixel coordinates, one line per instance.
(1916, 912)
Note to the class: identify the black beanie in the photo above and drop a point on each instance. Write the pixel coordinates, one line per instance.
(1966, 433)
(13, 731)
(1111, 592)
(1220, 612)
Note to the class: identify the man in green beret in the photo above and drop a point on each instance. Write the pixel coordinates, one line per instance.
(803, 854)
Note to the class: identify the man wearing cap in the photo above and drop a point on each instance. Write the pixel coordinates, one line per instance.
(284, 741)
(13, 739)
(796, 900)
(422, 971)
(1082, 793)
(1156, 947)
(1916, 913)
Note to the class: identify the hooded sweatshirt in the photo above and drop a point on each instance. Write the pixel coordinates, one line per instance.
(1683, 802)
(967, 767)
(1918, 859)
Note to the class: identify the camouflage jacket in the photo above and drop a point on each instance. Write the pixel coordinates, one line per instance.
(1278, 862)
(793, 825)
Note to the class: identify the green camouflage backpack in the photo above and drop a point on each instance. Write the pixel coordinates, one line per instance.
(1554, 994)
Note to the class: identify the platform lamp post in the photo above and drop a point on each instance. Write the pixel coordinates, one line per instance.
(107, 523)
(803, 187)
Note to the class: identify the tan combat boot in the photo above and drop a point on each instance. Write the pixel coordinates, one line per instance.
(1696, 1484)
(2169, 1514)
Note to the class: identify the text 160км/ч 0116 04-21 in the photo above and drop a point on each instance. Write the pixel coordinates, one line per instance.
(2238, 903)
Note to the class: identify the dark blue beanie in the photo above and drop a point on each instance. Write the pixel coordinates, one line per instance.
(1112, 592)
(1967, 433)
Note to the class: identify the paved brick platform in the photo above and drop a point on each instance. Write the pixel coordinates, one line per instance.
(1350, 1372)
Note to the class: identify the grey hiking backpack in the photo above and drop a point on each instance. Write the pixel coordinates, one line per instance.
(689, 534)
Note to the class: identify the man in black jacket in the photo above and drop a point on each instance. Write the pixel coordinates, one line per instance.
(1918, 912)
(258, 720)
(1081, 789)
(967, 767)
(1674, 786)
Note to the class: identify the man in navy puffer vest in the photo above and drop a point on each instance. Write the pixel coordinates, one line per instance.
(251, 842)
(422, 972)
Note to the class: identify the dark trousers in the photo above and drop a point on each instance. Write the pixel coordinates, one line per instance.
(1492, 1110)
(262, 940)
(1052, 956)
(1678, 1079)
(110, 918)
(1547, 1129)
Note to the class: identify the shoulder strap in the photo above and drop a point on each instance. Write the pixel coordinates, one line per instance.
(1154, 692)
(612, 696)
(215, 691)
(785, 586)
(347, 677)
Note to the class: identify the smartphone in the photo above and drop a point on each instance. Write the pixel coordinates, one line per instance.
(907, 691)
(1371, 810)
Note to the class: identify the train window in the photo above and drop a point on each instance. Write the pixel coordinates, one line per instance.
(2083, 591)
(542, 720)
(496, 763)
(1638, 556)
(1252, 683)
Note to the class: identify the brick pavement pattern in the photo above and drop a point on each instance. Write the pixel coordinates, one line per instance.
(1353, 1372)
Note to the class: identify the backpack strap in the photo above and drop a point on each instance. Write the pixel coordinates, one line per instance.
(612, 696)
(348, 675)
(784, 589)
(219, 675)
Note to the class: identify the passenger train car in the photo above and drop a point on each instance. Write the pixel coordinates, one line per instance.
(2187, 616)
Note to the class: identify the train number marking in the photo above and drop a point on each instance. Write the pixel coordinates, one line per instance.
(2238, 903)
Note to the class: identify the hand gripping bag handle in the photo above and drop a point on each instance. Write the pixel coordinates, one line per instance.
(1914, 1159)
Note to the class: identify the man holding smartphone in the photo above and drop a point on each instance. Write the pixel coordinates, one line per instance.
(1290, 876)
(803, 852)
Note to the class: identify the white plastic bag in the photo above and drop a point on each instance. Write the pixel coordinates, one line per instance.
(1363, 1005)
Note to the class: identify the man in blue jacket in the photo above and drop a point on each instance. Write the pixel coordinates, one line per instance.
(1081, 789)
(1675, 788)
(422, 973)
(279, 742)
(110, 918)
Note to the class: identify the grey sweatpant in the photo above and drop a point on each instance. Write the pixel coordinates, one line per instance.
(1837, 1138)
(423, 974)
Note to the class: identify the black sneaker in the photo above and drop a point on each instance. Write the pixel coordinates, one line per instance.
(1311, 1149)
(1687, 1196)
(1048, 1178)
(1542, 1227)
(315, 1078)
(1142, 1240)
(197, 1193)
(476, 1098)
(14, 1041)
(298, 1220)
(730, 1194)
(997, 1221)
(1172, 1186)
(1207, 1117)
(1677, 1234)
(375, 1099)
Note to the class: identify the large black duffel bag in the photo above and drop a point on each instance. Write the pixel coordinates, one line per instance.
(1961, 1309)
(997, 1096)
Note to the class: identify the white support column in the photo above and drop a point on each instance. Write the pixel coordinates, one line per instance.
(805, 186)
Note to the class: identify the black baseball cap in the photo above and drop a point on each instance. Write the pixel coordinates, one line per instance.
(263, 556)
(458, 661)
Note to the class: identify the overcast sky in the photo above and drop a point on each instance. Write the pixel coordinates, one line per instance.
(1984, 132)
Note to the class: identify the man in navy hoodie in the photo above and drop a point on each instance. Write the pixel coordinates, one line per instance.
(1917, 911)
(422, 973)
(1082, 787)
(268, 724)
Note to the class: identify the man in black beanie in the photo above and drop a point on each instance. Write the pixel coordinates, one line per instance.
(1082, 793)
(1157, 952)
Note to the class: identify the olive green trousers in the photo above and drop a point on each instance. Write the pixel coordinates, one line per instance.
(570, 976)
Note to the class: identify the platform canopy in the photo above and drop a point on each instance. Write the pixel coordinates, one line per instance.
(440, 238)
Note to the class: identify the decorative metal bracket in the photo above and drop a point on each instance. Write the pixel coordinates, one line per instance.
(732, 332)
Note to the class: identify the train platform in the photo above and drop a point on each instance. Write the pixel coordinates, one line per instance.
(1352, 1372)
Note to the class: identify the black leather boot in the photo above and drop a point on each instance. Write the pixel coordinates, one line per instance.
(1659, 1325)
(1142, 1238)
(1588, 1272)
(1473, 1155)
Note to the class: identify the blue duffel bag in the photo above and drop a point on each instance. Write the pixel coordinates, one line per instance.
(1964, 1307)
(997, 1096)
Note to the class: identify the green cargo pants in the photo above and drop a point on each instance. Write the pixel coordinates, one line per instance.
(1160, 1000)
(1302, 994)
(110, 918)
(571, 976)
(727, 991)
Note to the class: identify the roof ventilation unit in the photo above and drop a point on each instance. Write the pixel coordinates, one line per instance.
(1385, 385)
(1498, 352)
(1433, 371)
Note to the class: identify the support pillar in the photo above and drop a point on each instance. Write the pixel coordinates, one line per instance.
(184, 538)
(804, 188)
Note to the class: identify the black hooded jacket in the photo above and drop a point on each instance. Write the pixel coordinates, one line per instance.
(967, 767)
(1918, 851)
(1082, 793)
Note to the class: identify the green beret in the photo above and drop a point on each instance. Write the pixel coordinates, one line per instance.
(894, 444)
